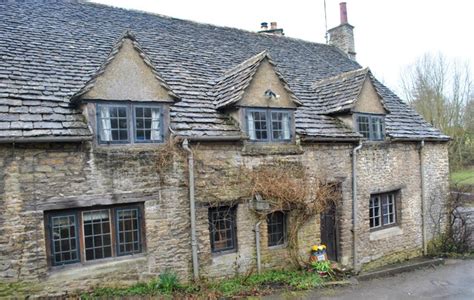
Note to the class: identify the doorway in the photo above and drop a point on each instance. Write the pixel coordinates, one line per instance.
(329, 235)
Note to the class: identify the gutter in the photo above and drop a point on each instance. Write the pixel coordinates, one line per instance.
(218, 138)
(354, 206)
(45, 139)
(192, 207)
(422, 188)
(257, 246)
(439, 140)
(328, 139)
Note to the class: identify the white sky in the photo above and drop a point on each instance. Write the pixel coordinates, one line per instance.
(389, 34)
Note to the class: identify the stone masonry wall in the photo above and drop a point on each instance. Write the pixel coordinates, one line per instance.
(383, 168)
(41, 177)
(37, 178)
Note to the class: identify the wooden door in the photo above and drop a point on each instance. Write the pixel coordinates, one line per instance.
(329, 232)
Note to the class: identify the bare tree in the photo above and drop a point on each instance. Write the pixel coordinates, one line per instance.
(441, 90)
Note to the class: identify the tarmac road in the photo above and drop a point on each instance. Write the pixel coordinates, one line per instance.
(453, 280)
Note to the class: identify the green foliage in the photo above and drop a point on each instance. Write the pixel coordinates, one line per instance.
(168, 284)
(463, 177)
(322, 266)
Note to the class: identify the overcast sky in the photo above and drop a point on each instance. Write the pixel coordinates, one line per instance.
(389, 34)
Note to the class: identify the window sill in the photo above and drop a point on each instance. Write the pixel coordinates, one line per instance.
(225, 252)
(106, 265)
(385, 233)
(278, 247)
(252, 149)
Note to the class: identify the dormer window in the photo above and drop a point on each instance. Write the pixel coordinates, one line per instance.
(264, 125)
(129, 123)
(370, 126)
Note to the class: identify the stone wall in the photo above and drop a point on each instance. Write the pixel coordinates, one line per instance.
(40, 177)
(396, 167)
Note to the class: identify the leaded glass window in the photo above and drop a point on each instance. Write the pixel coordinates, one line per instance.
(97, 236)
(280, 125)
(370, 126)
(128, 231)
(147, 124)
(113, 123)
(276, 228)
(64, 241)
(269, 124)
(382, 210)
(129, 123)
(93, 234)
(222, 228)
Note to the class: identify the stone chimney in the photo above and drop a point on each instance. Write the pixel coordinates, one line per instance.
(342, 36)
(274, 30)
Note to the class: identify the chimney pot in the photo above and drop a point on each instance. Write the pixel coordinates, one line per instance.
(273, 25)
(343, 12)
(264, 25)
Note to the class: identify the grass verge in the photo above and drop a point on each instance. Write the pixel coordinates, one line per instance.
(240, 286)
(463, 177)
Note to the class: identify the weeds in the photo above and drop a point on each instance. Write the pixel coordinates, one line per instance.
(254, 284)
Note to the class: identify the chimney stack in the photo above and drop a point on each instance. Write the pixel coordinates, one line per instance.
(343, 12)
(342, 36)
(274, 30)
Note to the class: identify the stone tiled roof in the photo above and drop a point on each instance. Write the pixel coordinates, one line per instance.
(51, 51)
(230, 88)
(338, 94)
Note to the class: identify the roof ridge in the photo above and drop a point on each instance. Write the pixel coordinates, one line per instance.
(127, 34)
(87, 2)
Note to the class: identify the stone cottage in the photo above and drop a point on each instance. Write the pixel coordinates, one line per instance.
(128, 142)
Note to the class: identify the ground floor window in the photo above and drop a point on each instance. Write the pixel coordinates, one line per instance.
(382, 210)
(276, 228)
(91, 234)
(223, 229)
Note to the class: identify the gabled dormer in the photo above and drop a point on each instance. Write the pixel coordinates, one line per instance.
(353, 99)
(258, 98)
(126, 100)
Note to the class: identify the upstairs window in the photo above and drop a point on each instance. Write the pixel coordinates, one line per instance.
(129, 124)
(265, 125)
(370, 126)
(382, 210)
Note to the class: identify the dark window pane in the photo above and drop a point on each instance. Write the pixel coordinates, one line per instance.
(96, 221)
(276, 228)
(222, 228)
(147, 125)
(128, 232)
(63, 239)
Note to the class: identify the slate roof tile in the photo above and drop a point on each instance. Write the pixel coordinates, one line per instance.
(53, 50)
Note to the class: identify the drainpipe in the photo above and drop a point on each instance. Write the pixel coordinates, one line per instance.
(257, 243)
(354, 206)
(423, 208)
(192, 207)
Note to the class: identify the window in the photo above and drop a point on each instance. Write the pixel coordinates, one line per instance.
(91, 234)
(382, 210)
(129, 123)
(371, 126)
(222, 227)
(277, 229)
(269, 124)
